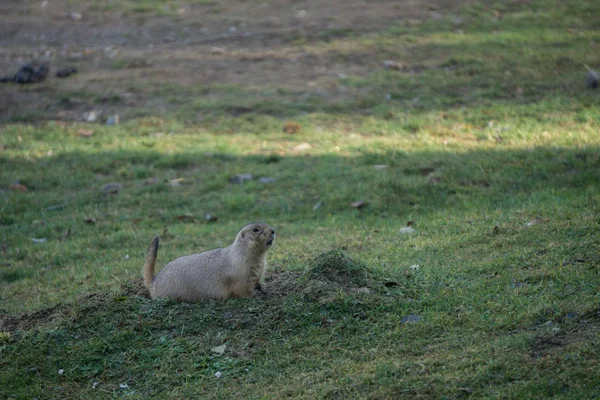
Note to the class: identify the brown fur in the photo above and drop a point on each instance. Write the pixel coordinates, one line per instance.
(233, 271)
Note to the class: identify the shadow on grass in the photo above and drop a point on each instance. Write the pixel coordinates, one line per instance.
(393, 182)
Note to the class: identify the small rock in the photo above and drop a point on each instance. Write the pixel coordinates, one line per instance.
(112, 188)
(410, 319)
(241, 178)
(408, 229)
(217, 50)
(388, 96)
(211, 218)
(92, 116)
(359, 204)
(126, 257)
(380, 166)
(29, 74)
(302, 147)
(75, 16)
(61, 371)
(389, 64)
(124, 386)
(301, 14)
(218, 374)
(95, 384)
(266, 179)
(66, 72)
(42, 240)
(232, 29)
(533, 222)
(113, 120)
(175, 182)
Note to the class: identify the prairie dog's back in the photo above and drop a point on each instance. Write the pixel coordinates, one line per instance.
(193, 276)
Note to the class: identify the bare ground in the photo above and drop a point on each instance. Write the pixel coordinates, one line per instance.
(123, 53)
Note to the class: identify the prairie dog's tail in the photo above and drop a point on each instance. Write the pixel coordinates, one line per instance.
(150, 262)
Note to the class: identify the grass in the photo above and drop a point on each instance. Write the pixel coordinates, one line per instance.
(492, 148)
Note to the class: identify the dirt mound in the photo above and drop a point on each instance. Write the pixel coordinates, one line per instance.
(338, 268)
(135, 288)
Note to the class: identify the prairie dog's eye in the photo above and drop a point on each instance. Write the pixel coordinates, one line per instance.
(255, 230)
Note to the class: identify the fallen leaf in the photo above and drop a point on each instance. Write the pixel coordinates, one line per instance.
(219, 349)
(17, 187)
(389, 64)
(291, 127)
(85, 132)
(217, 50)
(302, 147)
(186, 218)
(519, 92)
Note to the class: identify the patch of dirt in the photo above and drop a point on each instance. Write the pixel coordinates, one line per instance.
(10, 323)
(282, 283)
(582, 329)
(137, 288)
(299, 45)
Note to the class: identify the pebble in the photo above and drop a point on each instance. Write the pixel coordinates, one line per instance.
(241, 178)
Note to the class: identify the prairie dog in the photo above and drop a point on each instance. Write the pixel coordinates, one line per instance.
(233, 271)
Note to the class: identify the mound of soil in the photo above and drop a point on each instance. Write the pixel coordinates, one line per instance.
(338, 268)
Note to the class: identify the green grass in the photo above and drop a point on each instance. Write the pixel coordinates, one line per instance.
(504, 189)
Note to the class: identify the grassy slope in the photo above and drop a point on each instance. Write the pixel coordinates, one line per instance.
(506, 312)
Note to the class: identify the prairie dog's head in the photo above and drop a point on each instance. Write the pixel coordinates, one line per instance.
(258, 235)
